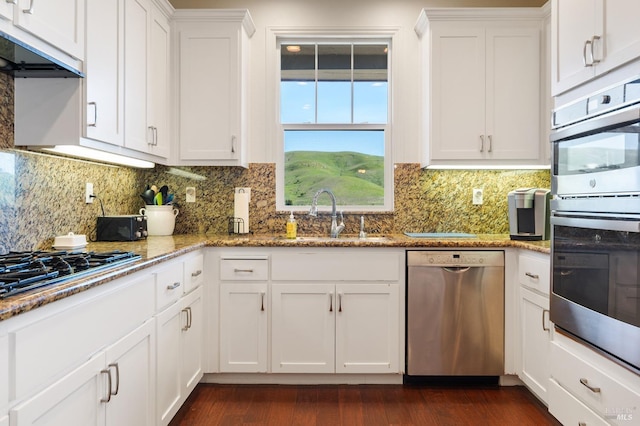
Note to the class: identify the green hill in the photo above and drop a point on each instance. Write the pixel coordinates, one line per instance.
(354, 178)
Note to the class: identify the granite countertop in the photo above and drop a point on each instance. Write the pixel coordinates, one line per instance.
(158, 249)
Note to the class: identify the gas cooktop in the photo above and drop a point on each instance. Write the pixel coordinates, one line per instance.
(28, 270)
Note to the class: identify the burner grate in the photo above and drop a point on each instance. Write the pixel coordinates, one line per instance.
(25, 271)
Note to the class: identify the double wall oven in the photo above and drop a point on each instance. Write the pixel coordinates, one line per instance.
(595, 221)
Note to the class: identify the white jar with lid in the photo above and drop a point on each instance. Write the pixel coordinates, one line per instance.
(161, 220)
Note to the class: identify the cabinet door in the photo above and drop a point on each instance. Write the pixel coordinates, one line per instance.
(76, 399)
(6, 10)
(458, 92)
(535, 332)
(621, 37)
(209, 93)
(512, 93)
(58, 22)
(302, 328)
(169, 325)
(136, 44)
(4, 421)
(243, 327)
(192, 340)
(104, 70)
(573, 22)
(158, 80)
(131, 362)
(367, 328)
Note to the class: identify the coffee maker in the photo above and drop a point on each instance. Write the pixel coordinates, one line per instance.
(529, 214)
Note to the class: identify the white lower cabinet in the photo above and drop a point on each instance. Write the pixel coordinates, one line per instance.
(4, 421)
(179, 353)
(243, 327)
(535, 328)
(587, 388)
(536, 335)
(367, 325)
(114, 387)
(303, 328)
(341, 328)
(310, 310)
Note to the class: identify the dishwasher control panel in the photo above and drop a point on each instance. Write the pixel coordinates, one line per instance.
(454, 258)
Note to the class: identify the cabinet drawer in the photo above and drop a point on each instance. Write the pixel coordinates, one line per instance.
(169, 284)
(244, 268)
(568, 410)
(45, 349)
(336, 266)
(534, 272)
(607, 395)
(193, 272)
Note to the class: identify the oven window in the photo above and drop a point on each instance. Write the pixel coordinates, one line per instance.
(611, 150)
(598, 269)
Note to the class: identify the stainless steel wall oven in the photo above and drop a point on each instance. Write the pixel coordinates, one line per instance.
(595, 221)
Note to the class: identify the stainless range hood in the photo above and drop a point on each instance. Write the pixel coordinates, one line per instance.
(20, 60)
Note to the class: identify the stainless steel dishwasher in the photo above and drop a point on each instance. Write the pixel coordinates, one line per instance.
(455, 313)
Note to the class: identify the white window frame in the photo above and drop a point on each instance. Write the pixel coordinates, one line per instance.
(276, 36)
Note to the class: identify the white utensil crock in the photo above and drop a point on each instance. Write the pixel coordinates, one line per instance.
(161, 220)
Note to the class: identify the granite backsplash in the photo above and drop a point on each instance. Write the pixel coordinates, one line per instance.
(42, 196)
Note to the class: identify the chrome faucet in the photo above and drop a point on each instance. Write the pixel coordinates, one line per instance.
(313, 211)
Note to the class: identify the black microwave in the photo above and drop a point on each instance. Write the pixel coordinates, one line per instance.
(121, 228)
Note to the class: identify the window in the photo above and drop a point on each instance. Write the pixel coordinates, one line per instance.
(334, 123)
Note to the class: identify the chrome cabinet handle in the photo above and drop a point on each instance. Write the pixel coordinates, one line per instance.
(339, 302)
(584, 53)
(586, 384)
(233, 144)
(95, 114)
(117, 368)
(249, 271)
(12, 1)
(173, 286)
(582, 423)
(593, 57)
(187, 311)
(481, 143)
(196, 273)
(262, 301)
(108, 373)
(154, 136)
(30, 10)
(530, 275)
(331, 302)
(490, 137)
(545, 312)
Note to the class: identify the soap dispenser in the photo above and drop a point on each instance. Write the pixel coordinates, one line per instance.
(292, 227)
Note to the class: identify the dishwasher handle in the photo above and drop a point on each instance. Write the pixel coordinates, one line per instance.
(456, 269)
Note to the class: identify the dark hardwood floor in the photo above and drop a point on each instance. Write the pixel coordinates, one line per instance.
(361, 405)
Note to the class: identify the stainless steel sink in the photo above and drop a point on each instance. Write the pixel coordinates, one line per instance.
(354, 239)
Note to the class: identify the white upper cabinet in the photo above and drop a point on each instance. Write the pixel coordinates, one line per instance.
(211, 68)
(146, 78)
(58, 22)
(6, 10)
(591, 37)
(104, 69)
(482, 93)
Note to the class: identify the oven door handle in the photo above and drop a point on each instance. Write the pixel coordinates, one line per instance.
(608, 224)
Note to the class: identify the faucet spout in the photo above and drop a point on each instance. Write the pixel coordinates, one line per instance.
(313, 211)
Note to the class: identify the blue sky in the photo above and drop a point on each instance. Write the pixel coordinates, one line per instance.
(334, 107)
